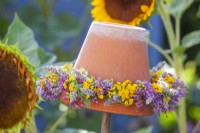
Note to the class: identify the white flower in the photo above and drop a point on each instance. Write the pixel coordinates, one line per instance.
(173, 91)
(163, 84)
(149, 100)
(73, 95)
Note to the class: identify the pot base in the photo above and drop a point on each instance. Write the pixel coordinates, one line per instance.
(116, 108)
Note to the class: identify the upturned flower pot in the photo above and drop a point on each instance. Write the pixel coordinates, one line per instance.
(118, 52)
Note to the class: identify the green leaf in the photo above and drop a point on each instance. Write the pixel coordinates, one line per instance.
(52, 31)
(190, 72)
(178, 7)
(22, 36)
(45, 57)
(198, 13)
(197, 59)
(87, 102)
(191, 39)
(78, 86)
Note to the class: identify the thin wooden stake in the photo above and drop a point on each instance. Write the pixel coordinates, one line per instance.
(105, 125)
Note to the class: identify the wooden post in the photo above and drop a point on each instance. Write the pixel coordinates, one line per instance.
(105, 125)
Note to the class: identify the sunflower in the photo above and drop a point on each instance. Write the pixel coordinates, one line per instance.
(131, 12)
(17, 86)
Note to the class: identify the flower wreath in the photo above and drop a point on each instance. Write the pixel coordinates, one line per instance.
(162, 92)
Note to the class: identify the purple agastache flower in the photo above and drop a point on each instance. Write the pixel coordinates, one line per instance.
(157, 102)
(58, 70)
(87, 92)
(39, 90)
(149, 92)
(179, 84)
(80, 76)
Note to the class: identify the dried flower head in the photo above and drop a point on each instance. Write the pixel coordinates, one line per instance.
(17, 86)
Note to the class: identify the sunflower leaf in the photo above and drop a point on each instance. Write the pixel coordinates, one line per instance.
(22, 37)
(191, 39)
(178, 7)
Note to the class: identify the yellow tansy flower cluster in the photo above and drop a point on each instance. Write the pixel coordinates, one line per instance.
(53, 78)
(155, 76)
(68, 67)
(88, 84)
(167, 99)
(99, 93)
(169, 79)
(157, 88)
(125, 90)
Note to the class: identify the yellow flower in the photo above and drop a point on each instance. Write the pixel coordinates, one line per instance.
(166, 99)
(65, 85)
(68, 67)
(126, 103)
(92, 87)
(86, 85)
(90, 80)
(87, 96)
(130, 12)
(155, 76)
(99, 89)
(131, 101)
(53, 77)
(157, 88)
(71, 87)
(169, 79)
(100, 96)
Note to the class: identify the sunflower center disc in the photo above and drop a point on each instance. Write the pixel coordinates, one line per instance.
(14, 94)
(125, 10)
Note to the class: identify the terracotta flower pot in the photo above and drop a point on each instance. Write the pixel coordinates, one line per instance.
(119, 52)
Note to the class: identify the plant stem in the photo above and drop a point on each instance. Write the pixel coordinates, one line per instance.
(178, 31)
(167, 23)
(59, 120)
(179, 70)
(45, 8)
(178, 65)
(159, 49)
